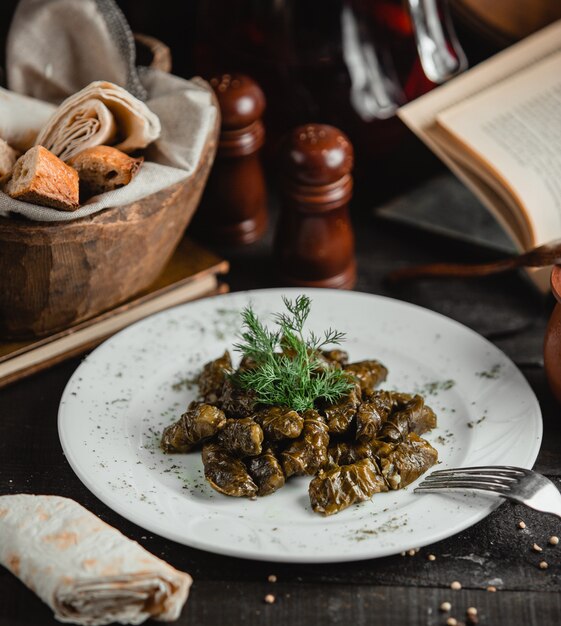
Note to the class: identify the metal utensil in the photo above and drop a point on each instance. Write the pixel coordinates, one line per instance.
(514, 483)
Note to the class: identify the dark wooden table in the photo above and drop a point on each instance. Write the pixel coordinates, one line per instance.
(391, 591)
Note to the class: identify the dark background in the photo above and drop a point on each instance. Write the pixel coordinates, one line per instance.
(175, 24)
(171, 22)
(401, 166)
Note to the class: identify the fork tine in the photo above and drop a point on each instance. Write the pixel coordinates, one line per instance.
(504, 481)
(484, 469)
(436, 486)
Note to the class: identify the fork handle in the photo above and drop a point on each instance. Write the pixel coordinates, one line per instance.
(553, 509)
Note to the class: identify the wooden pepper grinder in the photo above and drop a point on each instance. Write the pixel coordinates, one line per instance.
(234, 206)
(314, 241)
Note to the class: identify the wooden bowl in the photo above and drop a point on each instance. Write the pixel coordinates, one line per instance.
(54, 275)
(503, 22)
(552, 342)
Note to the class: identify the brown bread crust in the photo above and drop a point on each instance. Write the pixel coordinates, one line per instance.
(104, 168)
(42, 178)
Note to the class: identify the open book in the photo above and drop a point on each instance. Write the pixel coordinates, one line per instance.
(498, 128)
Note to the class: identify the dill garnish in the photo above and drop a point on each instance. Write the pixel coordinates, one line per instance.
(287, 368)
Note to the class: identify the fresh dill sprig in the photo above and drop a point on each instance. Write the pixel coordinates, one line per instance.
(286, 366)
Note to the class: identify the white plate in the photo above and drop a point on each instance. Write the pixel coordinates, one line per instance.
(118, 401)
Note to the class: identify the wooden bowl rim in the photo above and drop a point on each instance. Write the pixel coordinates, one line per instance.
(104, 216)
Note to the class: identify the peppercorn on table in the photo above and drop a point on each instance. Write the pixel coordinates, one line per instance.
(504, 570)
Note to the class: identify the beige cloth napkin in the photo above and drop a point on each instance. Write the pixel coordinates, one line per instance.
(21, 118)
(75, 43)
(84, 569)
(100, 114)
(56, 47)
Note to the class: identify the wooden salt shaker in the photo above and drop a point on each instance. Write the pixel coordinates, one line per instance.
(314, 242)
(234, 207)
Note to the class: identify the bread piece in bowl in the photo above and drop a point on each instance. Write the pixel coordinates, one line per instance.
(42, 178)
(104, 168)
(8, 158)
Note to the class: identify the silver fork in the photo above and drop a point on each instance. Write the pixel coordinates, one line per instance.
(514, 483)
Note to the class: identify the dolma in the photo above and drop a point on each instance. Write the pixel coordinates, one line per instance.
(308, 453)
(235, 401)
(266, 472)
(329, 359)
(369, 374)
(336, 489)
(279, 422)
(241, 437)
(325, 358)
(226, 473)
(339, 415)
(412, 417)
(380, 449)
(198, 423)
(369, 420)
(213, 376)
(247, 363)
(339, 358)
(407, 461)
(346, 453)
(385, 402)
(426, 421)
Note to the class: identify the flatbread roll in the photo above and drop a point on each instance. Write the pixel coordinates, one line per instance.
(100, 114)
(8, 158)
(85, 570)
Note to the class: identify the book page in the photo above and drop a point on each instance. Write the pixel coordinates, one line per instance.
(420, 115)
(488, 189)
(515, 128)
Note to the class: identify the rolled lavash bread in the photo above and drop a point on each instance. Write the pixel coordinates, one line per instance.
(21, 119)
(8, 158)
(100, 114)
(84, 569)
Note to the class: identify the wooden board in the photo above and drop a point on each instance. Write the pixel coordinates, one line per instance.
(191, 273)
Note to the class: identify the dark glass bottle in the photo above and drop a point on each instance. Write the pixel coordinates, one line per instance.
(349, 63)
